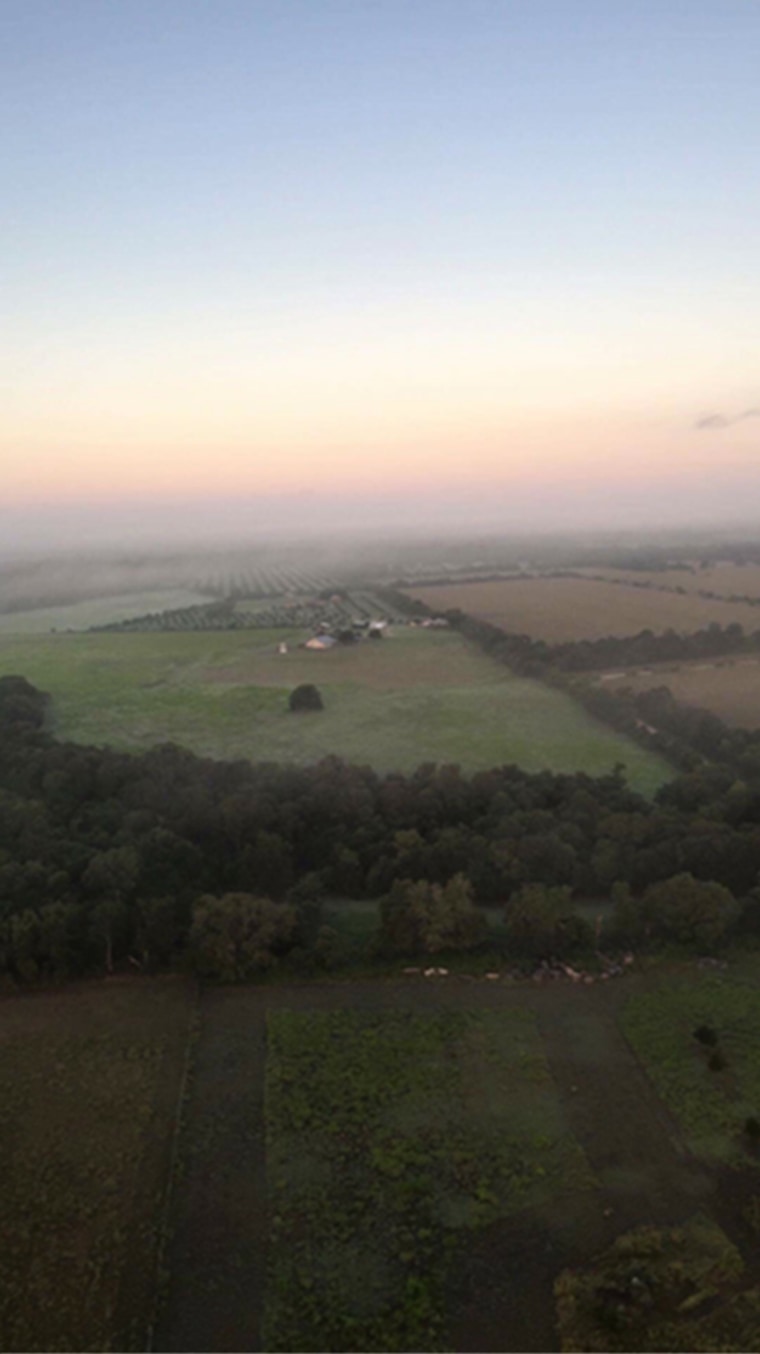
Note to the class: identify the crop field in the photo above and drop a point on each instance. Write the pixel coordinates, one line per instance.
(713, 1087)
(390, 1164)
(390, 1138)
(561, 609)
(724, 580)
(729, 687)
(411, 1165)
(90, 1082)
(415, 696)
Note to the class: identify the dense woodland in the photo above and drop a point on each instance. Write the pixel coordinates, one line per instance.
(109, 859)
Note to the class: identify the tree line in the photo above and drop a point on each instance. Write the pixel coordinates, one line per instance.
(686, 736)
(165, 858)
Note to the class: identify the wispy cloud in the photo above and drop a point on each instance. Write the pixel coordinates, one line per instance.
(708, 421)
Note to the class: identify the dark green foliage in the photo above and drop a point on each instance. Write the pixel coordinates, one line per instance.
(752, 1128)
(423, 918)
(541, 924)
(234, 938)
(304, 698)
(111, 838)
(705, 1034)
(691, 911)
(391, 1140)
(717, 1062)
(642, 1292)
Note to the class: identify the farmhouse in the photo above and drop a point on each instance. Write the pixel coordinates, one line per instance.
(319, 643)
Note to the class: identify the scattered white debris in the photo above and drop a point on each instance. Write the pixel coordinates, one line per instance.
(493, 976)
(411, 970)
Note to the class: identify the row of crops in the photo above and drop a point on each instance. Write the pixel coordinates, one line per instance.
(338, 611)
(259, 582)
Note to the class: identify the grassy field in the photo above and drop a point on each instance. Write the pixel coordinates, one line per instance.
(90, 1085)
(560, 609)
(415, 696)
(710, 1104)
(730, 687)
(96, 611)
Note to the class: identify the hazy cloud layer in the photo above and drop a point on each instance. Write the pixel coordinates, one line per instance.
(724, 420)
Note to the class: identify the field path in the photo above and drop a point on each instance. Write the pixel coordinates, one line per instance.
(216, 1253)
(630, 1140)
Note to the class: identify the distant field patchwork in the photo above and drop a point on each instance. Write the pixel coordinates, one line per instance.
(727, 580)
(729, 687)
(561, 609)
(415, 696)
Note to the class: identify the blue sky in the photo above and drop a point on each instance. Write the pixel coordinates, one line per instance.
(401, 202)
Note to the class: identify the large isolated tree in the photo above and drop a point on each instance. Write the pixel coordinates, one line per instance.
(235, 937)
(305, 698)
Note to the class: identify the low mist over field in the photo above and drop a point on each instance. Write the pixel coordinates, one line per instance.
(218, 565)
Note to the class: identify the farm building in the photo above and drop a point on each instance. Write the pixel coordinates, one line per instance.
(319, 643)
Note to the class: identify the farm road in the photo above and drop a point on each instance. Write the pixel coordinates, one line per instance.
(630, 1140)
(216, 1253)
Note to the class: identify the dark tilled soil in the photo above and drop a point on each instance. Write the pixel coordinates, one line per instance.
(215, 1257)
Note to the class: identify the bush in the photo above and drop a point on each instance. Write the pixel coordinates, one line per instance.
(305, 698)
(717, 1061)
(706, 1035)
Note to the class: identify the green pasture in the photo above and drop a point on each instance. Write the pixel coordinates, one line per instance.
(391, 1140)
(415, 696)
(711, 1104)
(97, 611)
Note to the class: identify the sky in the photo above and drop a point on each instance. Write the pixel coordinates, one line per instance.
(275, 261)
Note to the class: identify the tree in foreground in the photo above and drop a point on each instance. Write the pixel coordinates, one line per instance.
(305, 698)
(237, 936)
(689, 911)
(418, 917)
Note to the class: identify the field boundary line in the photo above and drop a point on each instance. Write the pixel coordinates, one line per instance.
(191, 1044)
